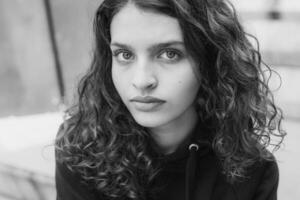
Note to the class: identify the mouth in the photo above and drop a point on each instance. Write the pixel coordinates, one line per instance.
(147, 103)
(146, 99)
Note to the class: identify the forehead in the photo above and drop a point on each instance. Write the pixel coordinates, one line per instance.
(135, 26)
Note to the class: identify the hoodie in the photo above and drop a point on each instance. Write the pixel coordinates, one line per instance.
(192, 172)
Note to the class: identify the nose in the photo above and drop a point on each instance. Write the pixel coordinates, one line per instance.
(144, 77)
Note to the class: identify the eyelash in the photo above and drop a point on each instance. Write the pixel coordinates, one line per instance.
(116, 53)
(177, 54)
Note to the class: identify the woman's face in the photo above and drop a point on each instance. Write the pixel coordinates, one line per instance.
(151, 69)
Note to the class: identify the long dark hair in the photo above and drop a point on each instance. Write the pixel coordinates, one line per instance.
(102, 142)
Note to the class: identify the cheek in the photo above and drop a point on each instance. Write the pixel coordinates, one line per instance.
(118, 81)
(185, 86)
(114, 78)
(186, 93)
(188, 90)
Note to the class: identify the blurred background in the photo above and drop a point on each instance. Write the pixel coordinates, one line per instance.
(46, 46)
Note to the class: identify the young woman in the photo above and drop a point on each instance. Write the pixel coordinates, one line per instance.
(175, 106)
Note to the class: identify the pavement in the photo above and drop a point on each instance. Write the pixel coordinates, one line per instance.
(27, 142)
(289, 163)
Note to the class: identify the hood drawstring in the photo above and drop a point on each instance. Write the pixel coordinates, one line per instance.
(190, 171)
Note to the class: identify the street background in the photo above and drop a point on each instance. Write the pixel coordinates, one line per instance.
(30, 101)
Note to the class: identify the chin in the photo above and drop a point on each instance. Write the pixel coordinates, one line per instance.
(149, 121)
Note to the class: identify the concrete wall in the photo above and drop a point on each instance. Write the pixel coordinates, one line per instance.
(28, 81)
(73, 22)
(26, 64)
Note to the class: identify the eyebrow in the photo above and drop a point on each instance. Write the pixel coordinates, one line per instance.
(152, 47)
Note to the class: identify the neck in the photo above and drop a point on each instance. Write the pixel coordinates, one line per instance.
(169, 136)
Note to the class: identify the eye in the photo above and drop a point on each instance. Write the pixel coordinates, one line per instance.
(123, 55)
(170, 55)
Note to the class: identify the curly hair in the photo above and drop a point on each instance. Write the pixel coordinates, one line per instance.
(102, 142)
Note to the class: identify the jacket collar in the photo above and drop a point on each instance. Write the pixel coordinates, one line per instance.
(200, 136)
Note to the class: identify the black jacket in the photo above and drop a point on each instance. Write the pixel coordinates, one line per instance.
(192, 172)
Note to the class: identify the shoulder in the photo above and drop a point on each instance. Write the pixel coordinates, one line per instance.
(65, 126)
(70, 185)
(267, 174)
(265, 170)
(261, 182)
(268, 167)
(67, 134)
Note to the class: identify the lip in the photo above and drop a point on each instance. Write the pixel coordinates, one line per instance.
(147, 103)
(146, 99)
